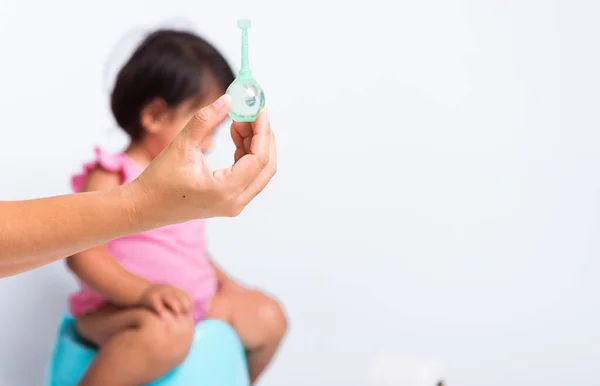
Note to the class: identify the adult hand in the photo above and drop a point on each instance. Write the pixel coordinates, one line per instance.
(179, 185)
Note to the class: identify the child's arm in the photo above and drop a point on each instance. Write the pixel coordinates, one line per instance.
(103, 274)
(97, 268)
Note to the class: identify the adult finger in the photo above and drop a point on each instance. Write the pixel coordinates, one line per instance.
(261, 181)
(239, 153)
(241, 134)
(243, 129)
(206, 120)
(249, 166)
(238, 141)
(237, 138)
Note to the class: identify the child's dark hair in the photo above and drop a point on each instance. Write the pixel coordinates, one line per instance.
(170, 65)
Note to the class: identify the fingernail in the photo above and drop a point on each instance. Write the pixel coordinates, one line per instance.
(221, 102)
(267, 115)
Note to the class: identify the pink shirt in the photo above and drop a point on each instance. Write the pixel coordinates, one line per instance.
(174, 254)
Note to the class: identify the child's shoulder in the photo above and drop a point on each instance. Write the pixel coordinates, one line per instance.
(107, 170)
(99, 179)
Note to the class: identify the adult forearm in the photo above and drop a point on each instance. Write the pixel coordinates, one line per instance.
(37, 232)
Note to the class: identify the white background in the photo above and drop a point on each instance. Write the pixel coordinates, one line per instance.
(437, 207)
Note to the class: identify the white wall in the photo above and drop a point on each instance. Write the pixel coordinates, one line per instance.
(437, 209)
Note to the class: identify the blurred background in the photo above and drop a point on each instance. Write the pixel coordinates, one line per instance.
(437, 207)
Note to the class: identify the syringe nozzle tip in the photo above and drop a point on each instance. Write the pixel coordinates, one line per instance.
(243, 24)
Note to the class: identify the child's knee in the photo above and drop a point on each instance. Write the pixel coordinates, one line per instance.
(273, 318)
(167, 342)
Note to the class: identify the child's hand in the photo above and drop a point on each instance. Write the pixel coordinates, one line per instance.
(165, 299)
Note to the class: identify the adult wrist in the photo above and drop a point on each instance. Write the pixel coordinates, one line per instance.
(140, 210)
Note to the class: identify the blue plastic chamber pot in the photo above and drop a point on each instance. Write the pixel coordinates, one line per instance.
(216, 358)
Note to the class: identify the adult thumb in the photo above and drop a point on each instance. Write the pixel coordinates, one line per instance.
(206, 120)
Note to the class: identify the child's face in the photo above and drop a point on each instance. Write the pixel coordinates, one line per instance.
(181, 115)
(163, 125)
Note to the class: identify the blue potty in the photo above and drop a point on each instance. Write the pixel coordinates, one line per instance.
(216, 358)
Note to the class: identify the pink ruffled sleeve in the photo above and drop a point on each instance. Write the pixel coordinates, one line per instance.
(110, 162)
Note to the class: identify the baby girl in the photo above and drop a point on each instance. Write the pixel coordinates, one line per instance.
(142, 295)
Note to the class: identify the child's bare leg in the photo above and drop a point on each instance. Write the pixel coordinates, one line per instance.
(136, 345)
(259, 322)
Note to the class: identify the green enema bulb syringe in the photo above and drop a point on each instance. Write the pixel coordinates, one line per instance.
(247, 97)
